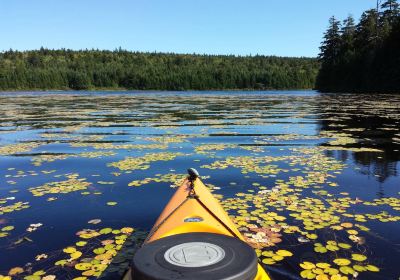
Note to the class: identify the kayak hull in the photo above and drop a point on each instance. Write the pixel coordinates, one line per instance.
(190, 215)
(193, 209)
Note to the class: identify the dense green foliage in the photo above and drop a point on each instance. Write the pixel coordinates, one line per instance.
(89, 69)
(363, 57)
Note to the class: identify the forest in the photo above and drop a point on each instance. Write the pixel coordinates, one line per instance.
(363, 56)
(64, 69)
(354, 57)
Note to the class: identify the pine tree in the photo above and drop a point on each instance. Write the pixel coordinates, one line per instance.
(344, 72)
(328, 56)
(367, 32)
(369, 55)
(348, 34)
(331, 44)
(391, 10)
(389, 14)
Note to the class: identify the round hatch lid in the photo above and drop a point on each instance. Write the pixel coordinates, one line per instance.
(195, 256)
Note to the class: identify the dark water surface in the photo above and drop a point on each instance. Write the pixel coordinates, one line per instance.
(314, 175)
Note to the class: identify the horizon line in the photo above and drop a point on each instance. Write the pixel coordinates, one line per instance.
(120, 49)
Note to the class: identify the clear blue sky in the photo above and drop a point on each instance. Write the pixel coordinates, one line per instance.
(241, 27)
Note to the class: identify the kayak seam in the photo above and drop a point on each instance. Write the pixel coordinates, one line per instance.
(217, 218)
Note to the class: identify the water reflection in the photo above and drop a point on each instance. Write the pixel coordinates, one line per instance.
(374, 120)
(290, 167)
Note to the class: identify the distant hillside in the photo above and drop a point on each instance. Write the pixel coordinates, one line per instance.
(94, 69)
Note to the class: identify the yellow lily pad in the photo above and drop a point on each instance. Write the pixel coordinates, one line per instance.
(76, 255)
(342, 262)
(346, 270)
(83, 266)
(323, 265)
(284, 253)
(307, 265)
(358, 257)
(69, 250)
(372, 268)
(307, 274)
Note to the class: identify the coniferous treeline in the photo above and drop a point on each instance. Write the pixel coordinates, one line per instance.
(91, 69)
(362, 57)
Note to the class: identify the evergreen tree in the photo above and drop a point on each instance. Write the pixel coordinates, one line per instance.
(369, 55)
(329, 51)
(391, 10)
(348, 33)
(331, 44)
(344, 68)
(367, 32)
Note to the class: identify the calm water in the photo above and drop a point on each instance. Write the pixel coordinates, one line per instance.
(298, 171)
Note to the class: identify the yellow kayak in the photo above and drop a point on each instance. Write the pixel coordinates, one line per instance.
(194, 238)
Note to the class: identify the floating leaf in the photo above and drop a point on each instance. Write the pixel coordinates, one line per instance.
(344, 245)
(105, 231)
(32, 277)
(268, 253)
(307, 265)
(331, 247)
(320, 249)
(359, 268)
(346, 270)
(268, 261)
(83, 266)
(284, 253)
(307, 274)
(69, 250)
(99, 251)
(331, 271)
(346, 225)
(277, 257)
(76, 255)
(352, 232)
(61, 262)
(323, 265)
(7, 228)
(358, 257)
(39, 273)
(312, 236)
(127, 230)
(15, 271)
(341, 262)
(81, 243)
(339, 277)
(372, 268)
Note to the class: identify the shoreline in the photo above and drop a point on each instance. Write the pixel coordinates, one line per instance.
(146, 90)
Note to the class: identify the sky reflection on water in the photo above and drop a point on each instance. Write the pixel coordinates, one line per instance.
(244, 143)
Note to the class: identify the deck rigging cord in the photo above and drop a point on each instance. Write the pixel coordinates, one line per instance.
(191, 195)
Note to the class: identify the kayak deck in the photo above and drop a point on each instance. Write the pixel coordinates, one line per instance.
(202, 213)
(193, 209)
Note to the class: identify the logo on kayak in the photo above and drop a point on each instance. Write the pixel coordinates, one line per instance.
(193, 220)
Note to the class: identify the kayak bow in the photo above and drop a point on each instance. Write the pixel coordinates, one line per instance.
(194, 238)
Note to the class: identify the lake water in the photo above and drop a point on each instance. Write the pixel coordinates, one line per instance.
(312, 180)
